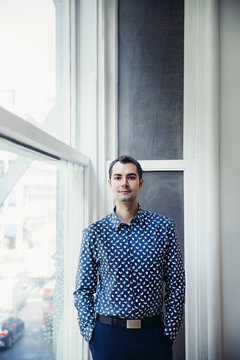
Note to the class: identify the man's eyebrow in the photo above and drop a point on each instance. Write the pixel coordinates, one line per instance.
(130, 174)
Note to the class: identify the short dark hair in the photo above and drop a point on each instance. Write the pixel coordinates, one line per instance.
(125, 159)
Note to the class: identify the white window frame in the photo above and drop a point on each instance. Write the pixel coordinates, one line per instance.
(22, 133)
(200, 164)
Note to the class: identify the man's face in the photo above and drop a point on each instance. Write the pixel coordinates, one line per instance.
(124, 182)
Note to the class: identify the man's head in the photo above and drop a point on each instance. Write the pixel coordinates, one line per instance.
(125, 159)
(125, 179)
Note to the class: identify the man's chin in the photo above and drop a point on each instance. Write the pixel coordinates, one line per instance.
(125, 198)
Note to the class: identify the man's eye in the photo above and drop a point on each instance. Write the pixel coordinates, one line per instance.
(117, 178)
(132, 177)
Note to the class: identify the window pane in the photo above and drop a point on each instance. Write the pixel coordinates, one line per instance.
(163, 193)
(31, 62)
(150, 79)
(34, 263)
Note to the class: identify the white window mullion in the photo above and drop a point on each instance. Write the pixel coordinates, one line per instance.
(20, 131)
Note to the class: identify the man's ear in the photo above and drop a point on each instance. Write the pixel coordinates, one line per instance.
(141, 181)
(109, 183)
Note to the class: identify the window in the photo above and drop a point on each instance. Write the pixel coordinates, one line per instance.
(43, 181)
(41, 217)
(33, 63)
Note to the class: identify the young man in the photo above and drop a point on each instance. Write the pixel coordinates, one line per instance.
(125, 259)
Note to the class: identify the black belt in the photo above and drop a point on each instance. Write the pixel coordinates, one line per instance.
(130, 324)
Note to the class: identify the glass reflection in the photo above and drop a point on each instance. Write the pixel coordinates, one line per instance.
(28, 249)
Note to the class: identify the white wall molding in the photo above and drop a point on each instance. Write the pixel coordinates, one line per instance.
(208, 177)
(203, 339)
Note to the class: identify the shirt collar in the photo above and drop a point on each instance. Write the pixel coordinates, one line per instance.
(139, 218)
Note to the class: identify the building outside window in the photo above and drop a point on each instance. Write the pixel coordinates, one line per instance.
(43, 192)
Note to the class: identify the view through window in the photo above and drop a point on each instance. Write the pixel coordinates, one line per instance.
(33, 223)
(33, 65)
(41, 198)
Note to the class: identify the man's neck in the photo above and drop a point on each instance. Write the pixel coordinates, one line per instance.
(126, 211)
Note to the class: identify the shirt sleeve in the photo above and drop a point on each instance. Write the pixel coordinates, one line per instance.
(86, 284)
(175, 285)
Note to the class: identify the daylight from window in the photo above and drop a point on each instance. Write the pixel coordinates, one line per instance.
(39, 234)
(27, 62)
(27, 257)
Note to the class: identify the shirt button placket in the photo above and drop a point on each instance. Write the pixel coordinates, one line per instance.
(131, 256)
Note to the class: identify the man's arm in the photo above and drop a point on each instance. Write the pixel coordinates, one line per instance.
(86, 283)
(175, 285)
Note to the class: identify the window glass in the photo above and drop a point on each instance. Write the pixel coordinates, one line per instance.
(150, 79)
(34, 259)
(31, 63)
(163, 193)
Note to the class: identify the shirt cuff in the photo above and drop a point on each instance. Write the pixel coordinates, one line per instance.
(87, 332)
(170, 333)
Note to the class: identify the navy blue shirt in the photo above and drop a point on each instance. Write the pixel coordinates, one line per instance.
(133, 262)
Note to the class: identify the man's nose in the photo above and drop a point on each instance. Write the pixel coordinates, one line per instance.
(124, 181)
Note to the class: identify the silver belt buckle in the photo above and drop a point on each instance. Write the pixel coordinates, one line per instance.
(133, 324)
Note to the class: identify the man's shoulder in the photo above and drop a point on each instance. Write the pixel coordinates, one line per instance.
(99, 224)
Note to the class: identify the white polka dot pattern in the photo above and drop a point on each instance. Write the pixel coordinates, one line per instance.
(133, 261)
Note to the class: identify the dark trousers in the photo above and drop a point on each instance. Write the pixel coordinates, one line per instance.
(117, 343)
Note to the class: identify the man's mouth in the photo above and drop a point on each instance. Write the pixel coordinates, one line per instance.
(124, 191)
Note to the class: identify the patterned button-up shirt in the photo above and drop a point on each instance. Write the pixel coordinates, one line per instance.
(133, 262)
